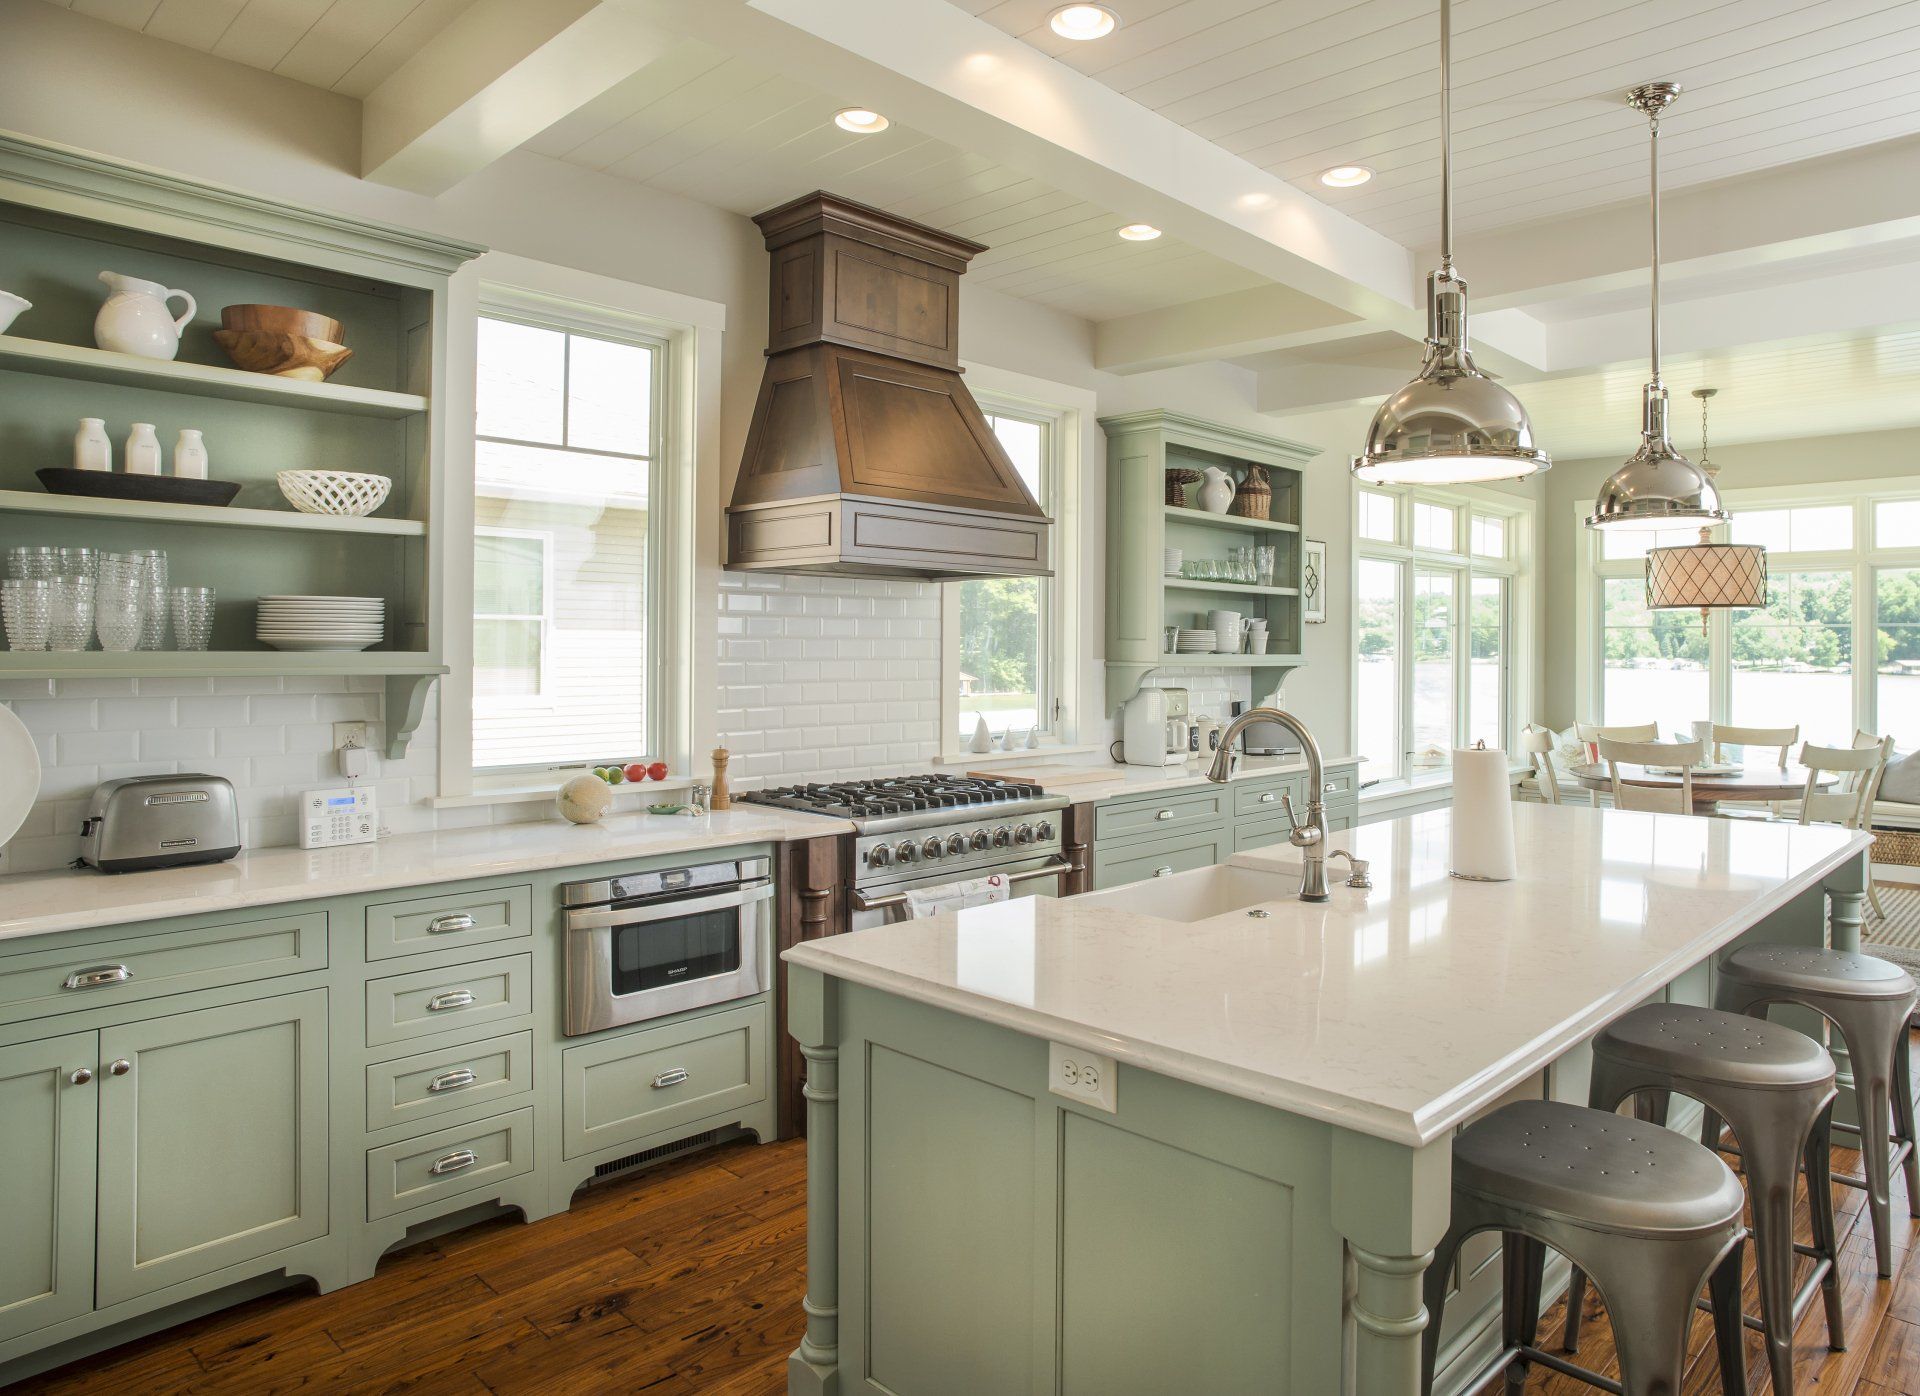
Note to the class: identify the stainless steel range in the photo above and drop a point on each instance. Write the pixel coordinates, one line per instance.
(917, 832)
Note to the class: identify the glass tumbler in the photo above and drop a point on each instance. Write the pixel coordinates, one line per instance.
(26, 606)
(71, 626)
(153, 564)
(119, 610)
(192, 617)
(33, 564)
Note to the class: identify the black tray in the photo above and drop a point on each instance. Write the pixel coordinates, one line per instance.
(149, 489)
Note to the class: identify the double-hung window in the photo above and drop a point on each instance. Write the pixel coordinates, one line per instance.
(1439, 579)
(565, 464)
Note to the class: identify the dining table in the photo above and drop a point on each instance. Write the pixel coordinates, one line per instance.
(1748, 784)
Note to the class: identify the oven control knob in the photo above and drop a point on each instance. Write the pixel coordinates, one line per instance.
(879, 856)
(1002, 836)
(979, 841)
(956, 845)
(932, 848)
(1023, 834)
(1045, 831)
(906, 851)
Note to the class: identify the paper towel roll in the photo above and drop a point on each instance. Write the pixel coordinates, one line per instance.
(1482, 816)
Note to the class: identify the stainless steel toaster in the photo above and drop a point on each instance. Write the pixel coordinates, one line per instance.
(160, 822)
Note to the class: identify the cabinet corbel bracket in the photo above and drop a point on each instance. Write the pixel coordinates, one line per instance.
(406, 706)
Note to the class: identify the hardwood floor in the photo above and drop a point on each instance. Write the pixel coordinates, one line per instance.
(687, 1279)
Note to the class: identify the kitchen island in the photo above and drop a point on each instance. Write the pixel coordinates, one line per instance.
(1194, 1135)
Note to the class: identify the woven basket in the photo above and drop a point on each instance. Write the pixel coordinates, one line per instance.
(337, 492)
(1254, 498)
(1177, 481)
(1900, 846)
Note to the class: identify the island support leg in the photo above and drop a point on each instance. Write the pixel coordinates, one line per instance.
(814, 1368)
(1391, 1203)
(1846, 896)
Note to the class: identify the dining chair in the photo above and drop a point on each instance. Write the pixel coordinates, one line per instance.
(1538, 743)
(1632, 732)
(1850, 803)
(1781, 739)
(1672, 800)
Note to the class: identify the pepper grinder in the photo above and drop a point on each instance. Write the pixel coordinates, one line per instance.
(721, 799)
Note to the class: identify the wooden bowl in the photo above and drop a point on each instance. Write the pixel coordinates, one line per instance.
(281, 319)
(282, 355)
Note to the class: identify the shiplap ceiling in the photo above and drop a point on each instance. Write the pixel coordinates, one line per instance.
(1296, 86)
(713, 127)
(346, 46)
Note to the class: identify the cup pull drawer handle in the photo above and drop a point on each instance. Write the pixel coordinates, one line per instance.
(454, 1162)
(454, 1080)
(453, 998)
(444, 925)
(1329, 788)
(96, 975)
(670, 1078)
(1166, 871)
(1268, 798)
(1163, 814)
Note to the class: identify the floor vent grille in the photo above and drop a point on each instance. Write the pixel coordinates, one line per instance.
(679, 1146)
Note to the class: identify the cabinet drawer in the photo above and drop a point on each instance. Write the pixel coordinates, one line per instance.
(124, 967)
(427, 1084)
(406, 1006)
(1161, 860)
(1173, 814)
(413, 1173)
(1262, 797)
(1259, 833)
(1339, 784)
(628, 1087)
(440, 923)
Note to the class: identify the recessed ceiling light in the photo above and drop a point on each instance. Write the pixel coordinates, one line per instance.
(860, 121)
(1257, 199)
(1083, 21)
(1139, 232)
(1345, 176)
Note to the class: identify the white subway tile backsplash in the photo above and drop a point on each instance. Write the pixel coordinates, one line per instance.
(250, 741)
(96, 748)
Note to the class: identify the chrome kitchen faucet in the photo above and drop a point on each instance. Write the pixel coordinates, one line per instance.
(1311, 837)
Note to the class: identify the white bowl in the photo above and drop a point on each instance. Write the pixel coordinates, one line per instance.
(337, 492)
(10, 308)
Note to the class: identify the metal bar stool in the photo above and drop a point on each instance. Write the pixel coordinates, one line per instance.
(1869, 1001)
(1775, 1087)
(1649, 1214)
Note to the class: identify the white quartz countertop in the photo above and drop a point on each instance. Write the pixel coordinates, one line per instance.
(40, 903)
(1396, 1012)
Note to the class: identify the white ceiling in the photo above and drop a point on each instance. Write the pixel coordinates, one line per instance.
(712, 127)
(1296, 86)
(346, 46)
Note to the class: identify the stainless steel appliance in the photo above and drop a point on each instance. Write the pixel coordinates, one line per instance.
(648, 944)
(160, 822)
(916, 832)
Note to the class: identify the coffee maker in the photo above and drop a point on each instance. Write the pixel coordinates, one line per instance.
(1154, 729)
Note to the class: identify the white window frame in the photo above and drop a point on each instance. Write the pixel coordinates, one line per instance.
(1520, 516)
(1068, 650)
(1864, 559)
(684, 560)
(542, 700)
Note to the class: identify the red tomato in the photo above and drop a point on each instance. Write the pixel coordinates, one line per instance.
(636, 771)
(658, 770)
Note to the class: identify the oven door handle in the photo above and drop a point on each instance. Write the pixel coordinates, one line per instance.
(1059, 867)
(598, 918)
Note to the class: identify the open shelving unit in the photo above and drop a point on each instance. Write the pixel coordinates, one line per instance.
(64, 217)
(1141, 602)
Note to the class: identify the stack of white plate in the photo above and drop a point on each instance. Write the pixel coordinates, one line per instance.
(322, 622)
(1170, 559)
(1197, 641)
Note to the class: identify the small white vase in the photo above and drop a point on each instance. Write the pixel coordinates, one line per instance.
(190, 455)
(982, 738)
(1217, 492)
(143, 450)
(92, 450)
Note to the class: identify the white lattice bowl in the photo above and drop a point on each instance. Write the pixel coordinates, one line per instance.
(334, 491)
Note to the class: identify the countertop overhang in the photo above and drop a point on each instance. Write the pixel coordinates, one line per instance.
(1397, 1012)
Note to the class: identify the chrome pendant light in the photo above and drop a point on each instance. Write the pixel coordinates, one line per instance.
(1452, 424)
(1657, 487)
(1707, 576)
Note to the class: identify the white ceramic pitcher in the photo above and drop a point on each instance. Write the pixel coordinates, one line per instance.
(135, 319)
(1217, 493)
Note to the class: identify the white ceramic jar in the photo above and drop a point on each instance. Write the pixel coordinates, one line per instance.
(135, 319)
(190, 455)
(143, 450)
(91, 448)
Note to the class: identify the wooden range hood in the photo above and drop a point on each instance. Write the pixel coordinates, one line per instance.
(867, 455)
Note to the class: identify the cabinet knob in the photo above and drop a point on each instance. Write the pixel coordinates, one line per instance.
(454, 1162)
(119, 1066)
(444, 925)
(79, 1076)
(670, 1078)
(453, 998)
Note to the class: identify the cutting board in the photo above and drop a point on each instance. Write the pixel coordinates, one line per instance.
(19, 774)
(1048, 777)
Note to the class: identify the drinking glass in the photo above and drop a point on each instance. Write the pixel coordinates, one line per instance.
(26, 606)
(71, 623)
(33, 564)
(1263, 566)
(153, 566)
(80, 562)
(192, 617)
(119, 610)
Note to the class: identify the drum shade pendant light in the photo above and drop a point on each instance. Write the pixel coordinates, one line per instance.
(1657, 487)
(1707, 576)
(1452, 424)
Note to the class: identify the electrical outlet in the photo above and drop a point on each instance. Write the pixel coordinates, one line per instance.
(349, 735)
(1088, 1077)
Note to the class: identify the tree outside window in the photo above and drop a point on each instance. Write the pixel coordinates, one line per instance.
(1006, 622)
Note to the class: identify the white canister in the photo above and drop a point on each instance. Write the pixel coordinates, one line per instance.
(1482, 816)
(190, 455)
(92, 450)
(143, 450)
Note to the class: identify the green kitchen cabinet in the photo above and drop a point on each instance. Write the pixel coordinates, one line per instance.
(213, 1140)
(46, 1181)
